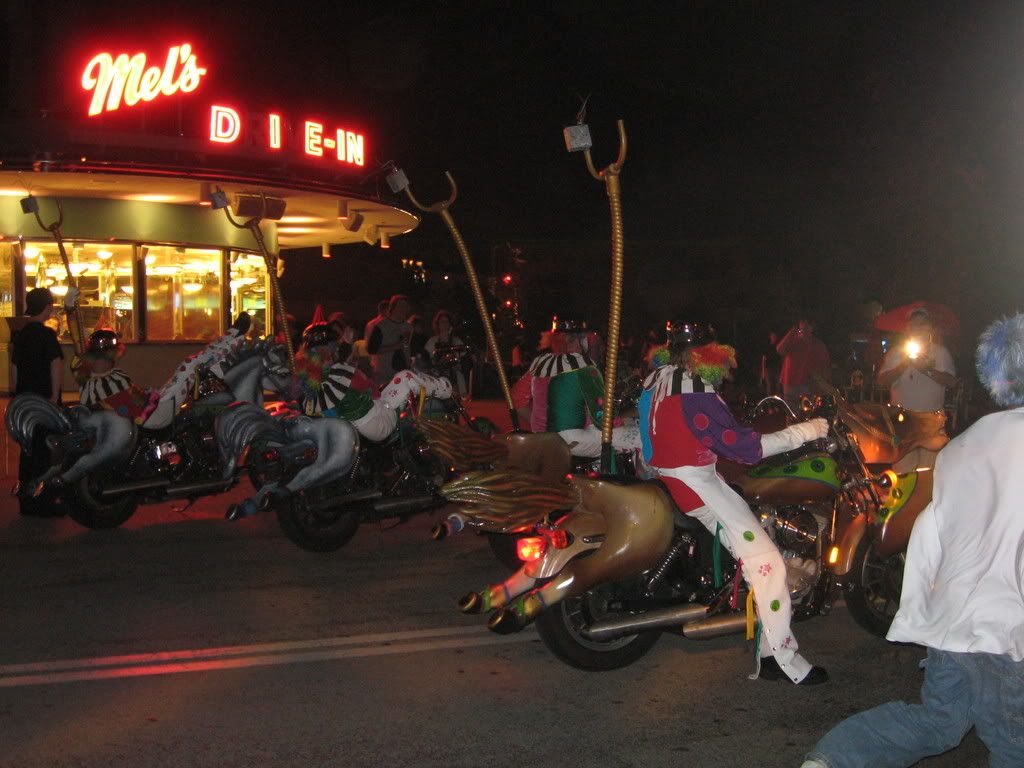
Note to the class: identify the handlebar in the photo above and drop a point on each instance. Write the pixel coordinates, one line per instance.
(774, 399)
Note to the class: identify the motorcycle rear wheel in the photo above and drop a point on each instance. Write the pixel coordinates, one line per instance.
(86, 507)
(872, 590)
(560, 628)
(317, 530)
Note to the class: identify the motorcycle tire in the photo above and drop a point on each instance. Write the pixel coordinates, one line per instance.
(872, 589)
(557, 627)
(322, 532)
(86, 507)
(503, 545)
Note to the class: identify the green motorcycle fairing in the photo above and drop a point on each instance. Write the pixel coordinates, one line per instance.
(818, 468)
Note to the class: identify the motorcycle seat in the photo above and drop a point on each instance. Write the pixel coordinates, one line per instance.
(683, 522)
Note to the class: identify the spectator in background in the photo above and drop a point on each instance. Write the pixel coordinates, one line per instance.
(444, 338)
(419, 358)
(918, 371)
(37, 367)
(382, 311)
(389, 341)
(803, 356)
(771, 365)
(346, 334)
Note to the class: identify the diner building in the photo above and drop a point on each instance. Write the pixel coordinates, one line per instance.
(133, 159)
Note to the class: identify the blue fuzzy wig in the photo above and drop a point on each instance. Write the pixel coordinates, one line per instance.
(1000, 360)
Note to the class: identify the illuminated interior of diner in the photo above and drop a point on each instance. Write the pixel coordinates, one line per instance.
(145, 292)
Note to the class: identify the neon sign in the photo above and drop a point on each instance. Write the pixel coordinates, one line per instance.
(314, 139)
(112, 80)
(125, 80)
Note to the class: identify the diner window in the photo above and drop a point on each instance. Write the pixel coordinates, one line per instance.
(6, 280)
(250, 290)
(104, 275)
(183, 293)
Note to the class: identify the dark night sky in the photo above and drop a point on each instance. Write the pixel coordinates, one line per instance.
(864, 144)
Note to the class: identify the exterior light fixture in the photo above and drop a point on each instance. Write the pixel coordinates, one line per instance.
(219, 199)
(205, 193)
(248, 205)
(353, 222)
(397, 180)
(385, 240)
(325, 250)
(343, 210)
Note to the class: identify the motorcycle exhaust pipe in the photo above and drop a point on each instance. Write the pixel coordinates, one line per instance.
(664, 617)
(205, 486)
(401, 504)
(136, 486)
(348, 498)
(716, 626)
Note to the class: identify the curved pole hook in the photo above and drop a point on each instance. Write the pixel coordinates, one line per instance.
(57, 224)
(439, 206)
(615, 167)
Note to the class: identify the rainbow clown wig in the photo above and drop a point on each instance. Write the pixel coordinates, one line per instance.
(1000, 360)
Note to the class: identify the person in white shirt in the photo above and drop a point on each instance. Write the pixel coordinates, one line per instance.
(963, 593)
(918, 371)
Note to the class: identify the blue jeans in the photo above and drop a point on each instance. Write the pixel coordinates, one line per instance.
(960, 690)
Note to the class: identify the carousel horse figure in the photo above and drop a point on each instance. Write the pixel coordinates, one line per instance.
(245, 427)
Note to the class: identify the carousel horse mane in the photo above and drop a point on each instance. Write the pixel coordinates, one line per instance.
(238, 427)
(508, 500)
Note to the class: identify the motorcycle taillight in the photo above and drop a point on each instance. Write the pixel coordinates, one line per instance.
(271, 455)
(531, 548)
(558, 538)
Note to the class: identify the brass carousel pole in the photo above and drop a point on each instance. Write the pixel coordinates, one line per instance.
(399, 182)
(271, 262)
(610, 177)
(31, 205)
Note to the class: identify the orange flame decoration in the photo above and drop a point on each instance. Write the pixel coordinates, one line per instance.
(459, 446)
(508, 500)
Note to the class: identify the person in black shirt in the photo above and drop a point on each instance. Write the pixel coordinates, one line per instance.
(37, 367)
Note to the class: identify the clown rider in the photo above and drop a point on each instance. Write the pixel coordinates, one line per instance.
(684, 428)
(562, 391)
(328, 387)
(104, 386)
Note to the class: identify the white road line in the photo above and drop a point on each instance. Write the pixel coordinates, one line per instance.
(239, 650)
(267, 660)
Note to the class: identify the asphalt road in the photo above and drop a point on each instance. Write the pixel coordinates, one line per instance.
(184, 640)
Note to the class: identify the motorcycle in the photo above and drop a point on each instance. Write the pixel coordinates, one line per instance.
(103, 466)
(612, 564)
(392, 479)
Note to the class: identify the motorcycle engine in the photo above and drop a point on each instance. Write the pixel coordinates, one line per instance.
(164, 456)
(796, 531)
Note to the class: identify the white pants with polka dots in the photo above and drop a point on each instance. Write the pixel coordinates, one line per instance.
(764, 570)
(405, 386)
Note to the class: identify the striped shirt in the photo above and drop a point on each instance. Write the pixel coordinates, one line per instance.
(547, 365)
(334, 385)
(99, 387)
